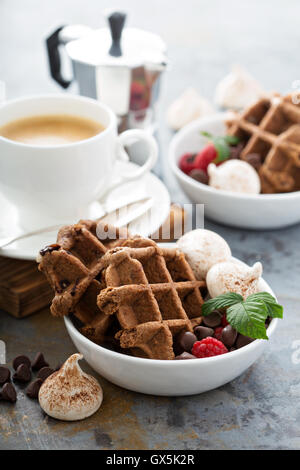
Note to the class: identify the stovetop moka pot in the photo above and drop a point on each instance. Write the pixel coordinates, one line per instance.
(119, 66)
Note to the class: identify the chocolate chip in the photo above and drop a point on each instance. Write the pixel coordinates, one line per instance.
(235, 151)
(49, 249)
(199, 175)
(228, 336)
(213, 319)
(4, 375)
(254, 159)
(21, 360)
(243, 341)
(185, 341)
(39, 362)
(22, 374)
(33, 389)
(44, 373)
(8, 393)
(185, 355)
(203, 332)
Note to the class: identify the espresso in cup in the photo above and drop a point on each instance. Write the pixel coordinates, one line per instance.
(62, 181)
(50, 129)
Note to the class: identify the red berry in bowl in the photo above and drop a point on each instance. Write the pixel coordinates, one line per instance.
(208, 347)
(187, 162)
(205, 157)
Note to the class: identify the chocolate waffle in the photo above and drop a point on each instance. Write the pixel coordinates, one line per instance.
(127, 284)
(271, 128)
(71, 267)
(154, 294)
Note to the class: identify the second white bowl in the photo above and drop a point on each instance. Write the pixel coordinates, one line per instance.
(261, 211)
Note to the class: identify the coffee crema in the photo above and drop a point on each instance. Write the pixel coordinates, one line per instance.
(56, 129)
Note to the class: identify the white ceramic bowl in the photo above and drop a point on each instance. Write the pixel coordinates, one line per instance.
(261, 211)
(169, 378)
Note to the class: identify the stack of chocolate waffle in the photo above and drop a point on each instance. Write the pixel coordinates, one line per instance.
(129, 287)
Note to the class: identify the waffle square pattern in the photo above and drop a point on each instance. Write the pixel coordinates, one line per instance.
(130, 289)
(271, 128)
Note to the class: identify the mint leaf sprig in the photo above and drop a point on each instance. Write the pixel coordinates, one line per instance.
(246, 316)
(222, 145)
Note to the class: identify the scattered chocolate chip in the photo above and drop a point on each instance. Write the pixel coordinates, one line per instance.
(185, 355)
(199, 175)
(33, 389)
(39, 362)
(4, 375)
(213, 319)
(22, 374)
(185, 341)
(8, 393)
(243, 341)
(21, 360)
(203, 332)
(49, 249)
(254, 159)
(44, 373)
(228, 336)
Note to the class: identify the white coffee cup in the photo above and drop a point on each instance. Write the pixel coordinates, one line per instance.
(57, 183)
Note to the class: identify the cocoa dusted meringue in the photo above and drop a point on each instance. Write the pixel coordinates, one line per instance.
(235, 176)
(70, 394)
(238, 90)
(233, 277)
(203, 248)
(186, 108)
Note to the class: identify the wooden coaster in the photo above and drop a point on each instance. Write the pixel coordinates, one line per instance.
(24, 289)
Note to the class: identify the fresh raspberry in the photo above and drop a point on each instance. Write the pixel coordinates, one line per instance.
(218, 332)
(208, 347)
(224, 321)
(187, 162)
(205, 157)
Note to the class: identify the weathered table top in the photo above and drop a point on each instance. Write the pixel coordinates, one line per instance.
(259, 409)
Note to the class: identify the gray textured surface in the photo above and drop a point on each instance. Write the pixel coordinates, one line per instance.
(260, 408)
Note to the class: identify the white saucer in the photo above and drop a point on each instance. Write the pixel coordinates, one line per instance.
(148, 186)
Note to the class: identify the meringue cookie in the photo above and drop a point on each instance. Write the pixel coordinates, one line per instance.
(237, 90)
(70, 394)
(234, 175)
(233, 277)
(202, 249)
(188, 107)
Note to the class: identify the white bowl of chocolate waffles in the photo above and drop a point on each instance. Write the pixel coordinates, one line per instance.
(134, 308)
(269, 130)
